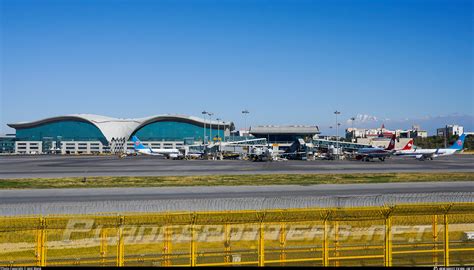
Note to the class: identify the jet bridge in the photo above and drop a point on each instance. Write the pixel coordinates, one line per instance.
(248, 142)
(326, 144)
(241, 146)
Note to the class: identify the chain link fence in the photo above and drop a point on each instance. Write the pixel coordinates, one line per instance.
(398, 235)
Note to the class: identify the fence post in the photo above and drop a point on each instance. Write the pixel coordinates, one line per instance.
(336, 243)
(227, 243)
(446, 240)
(120, 244)
(326, 243)
(282, 243)
(167, 246)
(435, 240)
(388, 241)
(103, 245)
(41, 243)
(193, 243)
(261, 244)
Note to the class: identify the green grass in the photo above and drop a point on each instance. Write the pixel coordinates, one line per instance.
(229, 180)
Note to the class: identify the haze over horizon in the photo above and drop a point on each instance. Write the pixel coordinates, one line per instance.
(287, 62)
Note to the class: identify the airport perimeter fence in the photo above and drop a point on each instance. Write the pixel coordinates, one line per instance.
(400, 235)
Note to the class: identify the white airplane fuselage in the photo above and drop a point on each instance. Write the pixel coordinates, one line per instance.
(422, 153)
(168, 152)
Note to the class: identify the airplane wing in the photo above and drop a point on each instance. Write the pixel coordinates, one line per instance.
(427, 155)
(151, 154)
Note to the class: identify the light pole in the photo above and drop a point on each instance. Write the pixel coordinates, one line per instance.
(223, 130)
(210, 125)
(218, 127)
(245, 112)
(338, 125)
(446, 136)
(353, 131)
(329, 138)
(337, 133)
(204, 130)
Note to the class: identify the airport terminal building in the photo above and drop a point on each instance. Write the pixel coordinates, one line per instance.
(88, 133)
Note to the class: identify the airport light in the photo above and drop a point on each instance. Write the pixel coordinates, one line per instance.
(223, 130)
(353, 119)
(446, 136)
(210, 125)
(337, 133)
(245, 112)
(352, 126)
(204, 130)
(218, 127)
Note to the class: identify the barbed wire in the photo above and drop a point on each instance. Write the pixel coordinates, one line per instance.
(232, 204)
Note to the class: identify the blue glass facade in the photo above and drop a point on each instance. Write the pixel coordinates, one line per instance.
(7, 144)
(69, 130)
(174, 131)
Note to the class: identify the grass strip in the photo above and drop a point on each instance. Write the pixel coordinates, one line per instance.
(229, 180)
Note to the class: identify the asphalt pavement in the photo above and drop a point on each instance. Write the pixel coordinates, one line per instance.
(61, 166)
(99, 200)
(86, 201)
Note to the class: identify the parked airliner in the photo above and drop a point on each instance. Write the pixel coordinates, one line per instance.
(141, 149)
(422, 154)
(367, 154)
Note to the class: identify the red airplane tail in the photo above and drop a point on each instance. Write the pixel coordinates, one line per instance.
(409, 145)
(391, 145)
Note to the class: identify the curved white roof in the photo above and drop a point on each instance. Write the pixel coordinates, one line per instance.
(121, 127)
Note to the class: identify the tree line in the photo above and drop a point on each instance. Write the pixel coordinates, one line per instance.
(438, 142)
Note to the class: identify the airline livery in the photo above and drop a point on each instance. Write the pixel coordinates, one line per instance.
(422, 154)
(141, 149)
(367, 154)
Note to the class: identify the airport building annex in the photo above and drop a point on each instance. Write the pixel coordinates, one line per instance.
(91, 134)
(88, 133)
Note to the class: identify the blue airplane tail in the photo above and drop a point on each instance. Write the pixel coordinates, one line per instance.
(137, 145)
(459, 143)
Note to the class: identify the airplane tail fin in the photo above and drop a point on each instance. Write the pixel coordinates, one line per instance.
(459, 143)
(391, 145)
(409, 145)
(137, 145)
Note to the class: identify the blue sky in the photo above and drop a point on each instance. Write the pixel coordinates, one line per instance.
(287, 62)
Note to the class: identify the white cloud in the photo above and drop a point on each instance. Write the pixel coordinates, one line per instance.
(428, 122)
(363, 118)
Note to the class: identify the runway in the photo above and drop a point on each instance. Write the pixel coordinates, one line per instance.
(62, 166)
(86, 201)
